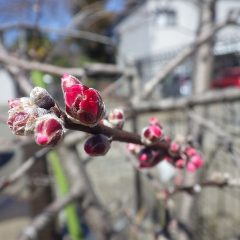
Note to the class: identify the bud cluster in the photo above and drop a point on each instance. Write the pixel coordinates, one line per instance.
(35, 115)
(179, 156)
(147, 158)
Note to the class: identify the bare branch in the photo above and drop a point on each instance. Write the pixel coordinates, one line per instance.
(62, 32)
(107, 69)
(196, 188)
(173, 104)
(47, 216)
(21, 171)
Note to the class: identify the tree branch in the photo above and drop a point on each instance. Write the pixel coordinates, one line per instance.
(21, 171)
(62, 32)
(173, 104)
(106, 69)
(47, 216)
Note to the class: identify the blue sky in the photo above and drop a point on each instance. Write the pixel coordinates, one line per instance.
(54, 13)
(115, 5)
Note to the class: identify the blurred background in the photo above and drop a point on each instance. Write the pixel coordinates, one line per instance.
(112, 40)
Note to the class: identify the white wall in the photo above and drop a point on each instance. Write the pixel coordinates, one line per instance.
(223, 7)
(141, 35)
(172, 37)
(134, 36)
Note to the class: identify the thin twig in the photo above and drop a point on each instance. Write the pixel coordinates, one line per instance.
(106, 69)
(47, 216)
(72, 33)
(196, 188)
(25, 167)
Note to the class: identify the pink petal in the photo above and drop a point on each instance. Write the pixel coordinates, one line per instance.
(41, 139)
(52, 126)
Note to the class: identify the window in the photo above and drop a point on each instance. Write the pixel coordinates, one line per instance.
(165, 17)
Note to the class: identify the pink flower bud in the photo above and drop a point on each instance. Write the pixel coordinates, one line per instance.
(151, 134)
(49, 130)
(180, 163)
(22, 120)
(191, 167)
(174, 148)
(97, 145)
(14, 103)
(42, 98)
(133, 148)
(20, 102)
(116, 118)
(154, 121)
(190, 151)
(148, 158)
(17, 122)
(197, 161)
(82, 103)
(167, 139)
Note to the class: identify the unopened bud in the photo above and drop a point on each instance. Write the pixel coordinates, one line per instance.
(97, 145)
(174, 148)
(180, 163)
(49, 130)
(191, 167)
(20, 103)
(154, 121)
(116, 118)
(42, 98)
(134, 148)
(83, 104)
(22, 120)
(190, 151)
(151, 134)
(148, 158)
(197, 161)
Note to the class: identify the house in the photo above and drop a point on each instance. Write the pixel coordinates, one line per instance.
(157, 30)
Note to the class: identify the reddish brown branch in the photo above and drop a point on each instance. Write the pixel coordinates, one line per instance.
(115, 134)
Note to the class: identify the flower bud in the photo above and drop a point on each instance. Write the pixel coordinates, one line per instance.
(17, 122)
(20, 102)
(148, 158)
(97, 145)
(190, 151)
(49, 130)
(174, 149)
(154, 121)
(116, 118)
(22, 120)
(191, 167)
(180, 163)
(83, 104)
(197, 161)
(151, 134)
(42, 98)
(133, 148)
